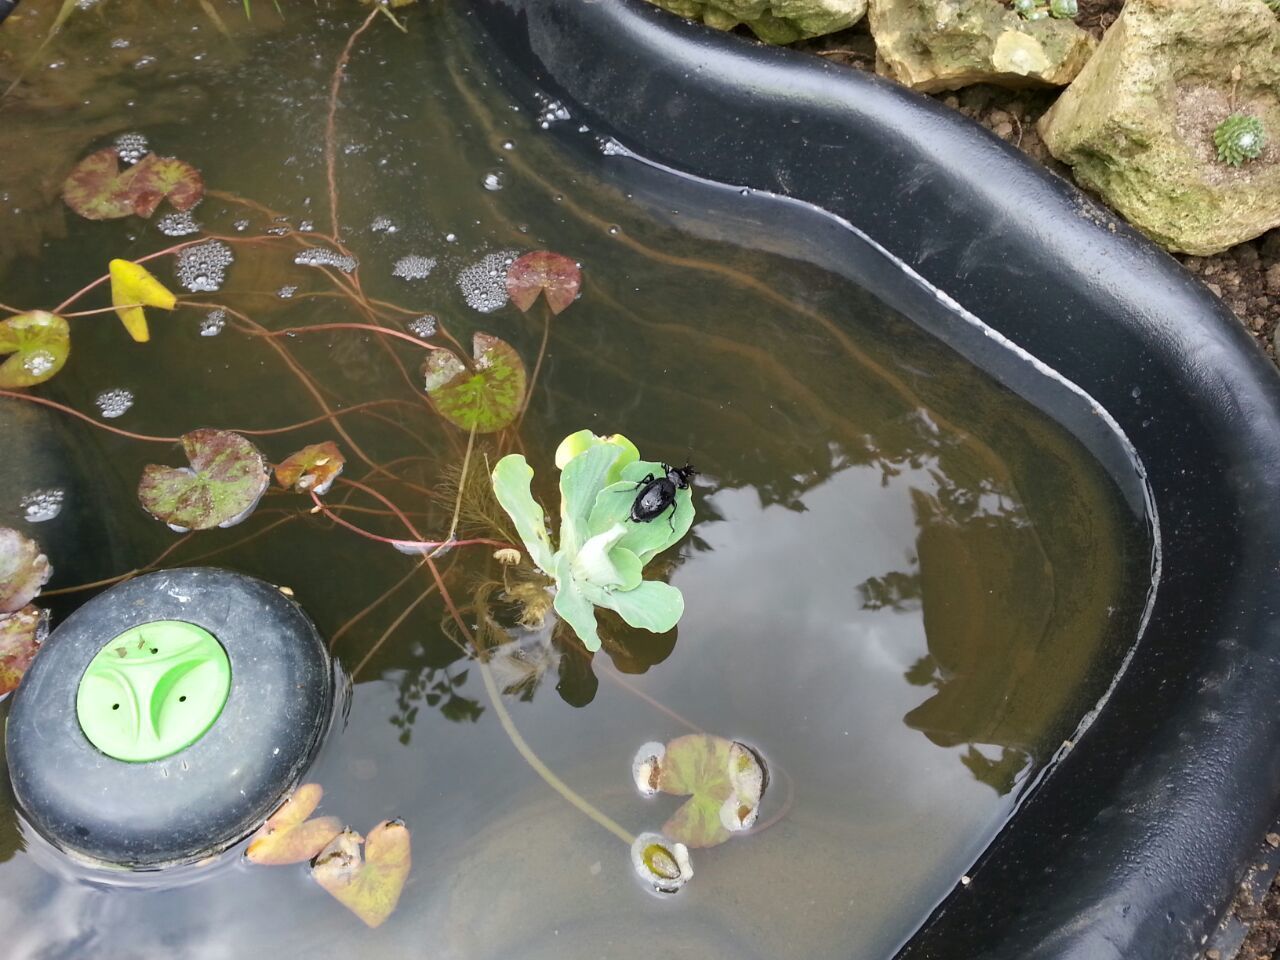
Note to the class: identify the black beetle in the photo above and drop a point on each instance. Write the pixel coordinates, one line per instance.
(658, 493)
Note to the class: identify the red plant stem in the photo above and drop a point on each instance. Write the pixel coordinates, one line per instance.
(330, 127)
(401, 545)
(86, 418)
(370, 607)
(391, 628)
(123, 576)
(369, 327)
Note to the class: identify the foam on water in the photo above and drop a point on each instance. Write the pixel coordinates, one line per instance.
(178, 224)
(484, 283)
(114, 403)
(424, 326)
(414, 267)
(213, 322)
(131, 147)
(39, 506)
(203, 267)
(325, 257)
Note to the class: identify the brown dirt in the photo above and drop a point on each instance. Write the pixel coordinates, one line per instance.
(1246, 277)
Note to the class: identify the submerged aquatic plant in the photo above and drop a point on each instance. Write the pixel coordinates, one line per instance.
(602, 552)
(1238, 138)
(1036, 10)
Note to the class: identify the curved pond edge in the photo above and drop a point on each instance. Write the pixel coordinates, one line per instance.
(1132, 847)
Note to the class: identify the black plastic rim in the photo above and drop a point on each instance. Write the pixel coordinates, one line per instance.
(1132, 847)
(206, 797)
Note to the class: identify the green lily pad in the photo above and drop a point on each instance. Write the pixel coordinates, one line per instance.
(21, 633)
(225, 481)
(98, 189)
(38, 344)
(486, 397)
(724, 780)
(511, 485)
(544, 272)
(23, 570)
(312, 469)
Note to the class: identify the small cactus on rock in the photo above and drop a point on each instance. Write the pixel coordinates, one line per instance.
(1238, 138)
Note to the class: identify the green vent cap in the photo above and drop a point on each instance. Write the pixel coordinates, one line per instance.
(153, 690)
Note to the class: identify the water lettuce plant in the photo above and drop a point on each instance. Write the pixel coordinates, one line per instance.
(602, 552)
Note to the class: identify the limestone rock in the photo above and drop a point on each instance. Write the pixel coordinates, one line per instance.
(774, 21)
(1137, 124)
(935, 45)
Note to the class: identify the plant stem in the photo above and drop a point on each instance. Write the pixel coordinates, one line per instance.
(330, 127)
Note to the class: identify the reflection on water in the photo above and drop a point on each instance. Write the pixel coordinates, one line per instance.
(904, 585)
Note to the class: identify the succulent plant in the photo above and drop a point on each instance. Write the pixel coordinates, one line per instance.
(602, 552)
(1238, 138)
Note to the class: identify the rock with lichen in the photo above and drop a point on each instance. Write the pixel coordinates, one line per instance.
(774, 21)
(1138, 125)
(935, 45)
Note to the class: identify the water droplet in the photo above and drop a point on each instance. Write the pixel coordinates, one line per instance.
(414, 267)
(424, 326)
(39, 506)
(178, 224)
(508, 145)
(114, 403)
(211, 325)
(202, 268)
(1136, 392)
(286, 292)
(131, 147)
(614, 230)
(646, 768)
(143, 62)
(324, 257)
(493, 181)
(662, 864)
(450, 238)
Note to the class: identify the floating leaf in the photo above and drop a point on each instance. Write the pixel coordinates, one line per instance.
(369, 888)
(23, 570)
(20, 636)
(225, 481)
(288, 836)
(576, 443)
(572, 606)
(724, 780)
(511, 478)
(38, 344)
(660, 862)
(98, 189)
(312, 469)
(132, 288)
(646, 540)
(543, 272)
(488, 396)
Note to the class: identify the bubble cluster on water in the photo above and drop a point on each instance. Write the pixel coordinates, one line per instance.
(39, 362)
(325, 257)
(39, 506)
(131, 147)
(178, 224)
(612, 148)
(484, 283)
(492, 180)
(143, 62)
(120, 43)
(86, 4)
(114, 403)
(277, 231)
(213, 322)
(287, 291)
(306, 226)
(552, 111)
(424, 326)
(383, 225)
(202, 268)
(241, 225)
(414, 267)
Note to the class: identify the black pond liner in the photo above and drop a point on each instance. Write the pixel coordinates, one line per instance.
(1132, 845)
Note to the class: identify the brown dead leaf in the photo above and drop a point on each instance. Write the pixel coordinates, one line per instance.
(288, 836)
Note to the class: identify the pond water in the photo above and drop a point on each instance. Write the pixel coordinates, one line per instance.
(905, 586)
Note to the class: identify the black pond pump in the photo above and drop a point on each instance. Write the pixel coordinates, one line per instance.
(168, 717)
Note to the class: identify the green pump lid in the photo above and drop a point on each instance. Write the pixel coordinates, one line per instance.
(153, 690)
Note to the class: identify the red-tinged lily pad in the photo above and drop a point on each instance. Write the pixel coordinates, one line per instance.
(23, 570)
(288, 836)
(485, 397)
(98, 189)
(21, 634)
(38, 344)
(312, 469)
(543, 272)
(724, 780)
(227, 477)
(369, 887)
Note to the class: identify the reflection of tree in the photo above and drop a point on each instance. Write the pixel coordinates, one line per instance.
(437, 688)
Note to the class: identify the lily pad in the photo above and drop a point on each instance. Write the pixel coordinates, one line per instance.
(544, 272)
(312, 469)
(724, 780)
(288, 836)
(369, 887)
(23, 570)
(225, 481)
(98, 189)
(38, 344)
(21, 634)
(486, 397)
(660, 862)
(132, 288)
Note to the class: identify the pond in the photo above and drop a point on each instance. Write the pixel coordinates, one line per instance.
(905, 586)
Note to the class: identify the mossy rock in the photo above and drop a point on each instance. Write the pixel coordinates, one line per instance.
(1137, 124)
(933, 45)
(773, 21)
